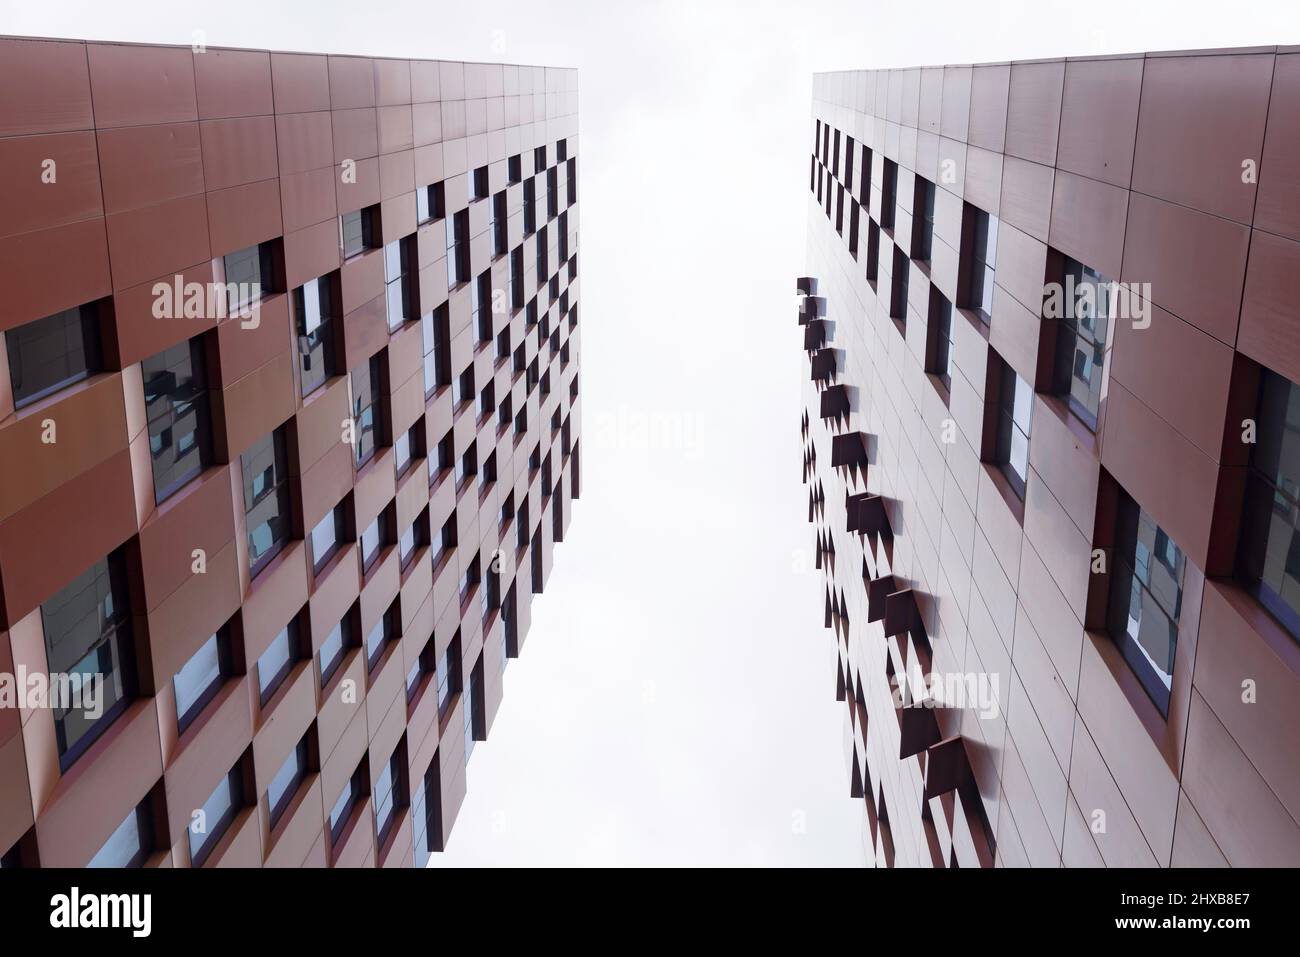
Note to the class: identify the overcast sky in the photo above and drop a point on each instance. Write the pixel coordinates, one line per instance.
(675, 701)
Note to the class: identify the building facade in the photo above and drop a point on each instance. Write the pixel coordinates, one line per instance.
(1051, 429)
(289, 428)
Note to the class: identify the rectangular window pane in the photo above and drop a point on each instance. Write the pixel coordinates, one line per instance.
(197, 680)
(285, 783)
(52, 353)
(273, 667)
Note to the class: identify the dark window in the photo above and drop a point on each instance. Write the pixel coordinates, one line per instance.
(52, 353)
(1270, 535)
(853, 228)
(552, 192)
(480, 305)
(539, 159)
(437, 349)
(543, 269)
(342, 810)
(864, 192)
(1146, 597)
(1081, 339)
(983, 255)
(88, 638)
(280, 792)
(873, 251)
(131, 843)
(430, 203)
(922, 220)
(218, 811)
(463, 388)
(314, 308)
(335, 647)
(277, 661)
(848, 161)
(449, 676)
(441, 462)
(898, 290)
(474, 708)
(1015, 409)
(514, 172)
(522, 524)
(499, 224)
(481, 182)
(400, 281)
(889, 195)
(571, 179)
(390, 794)
(327, 536)
(530, 206)
(374, 538)
(517, 277)
(458, 249)
(408, 447)
(445, 540)
(426, 812)
(384, 632)
(425, 665)
(199, 679)
(176, 404)
(487, 401)
(366, 408)
(415, 537)
(938, 347)
(250, 275)
(266, 499)
(467, 465)
(358, 231)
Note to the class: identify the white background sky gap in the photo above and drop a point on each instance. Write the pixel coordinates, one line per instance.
(675, 700)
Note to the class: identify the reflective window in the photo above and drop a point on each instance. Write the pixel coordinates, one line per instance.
(285, 783)
(249, 276)
(334, 647)
(326, 537)
(215, 817)
(358, 231)
(1146, 599)
(266, 499)
(437, 349)
(314, 308)
(277, 661)
(984, 250)
(88, 637)
(176, 404)
(1270, 535)
(399, 281)
(200, 677)
(128, 845)
(1081, 340)
(1015, 409)
(430, 203)
(366, 380)
(341, 812)
(923, 220)
(52, 353)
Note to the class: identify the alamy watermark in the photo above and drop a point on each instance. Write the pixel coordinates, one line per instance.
(1111, 299)
(975, 691)
(179, 299)
(60, 691)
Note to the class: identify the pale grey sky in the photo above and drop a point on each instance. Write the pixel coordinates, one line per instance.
(675, 700)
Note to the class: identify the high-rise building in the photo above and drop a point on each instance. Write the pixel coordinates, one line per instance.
(1051, 432)
(289, 427)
